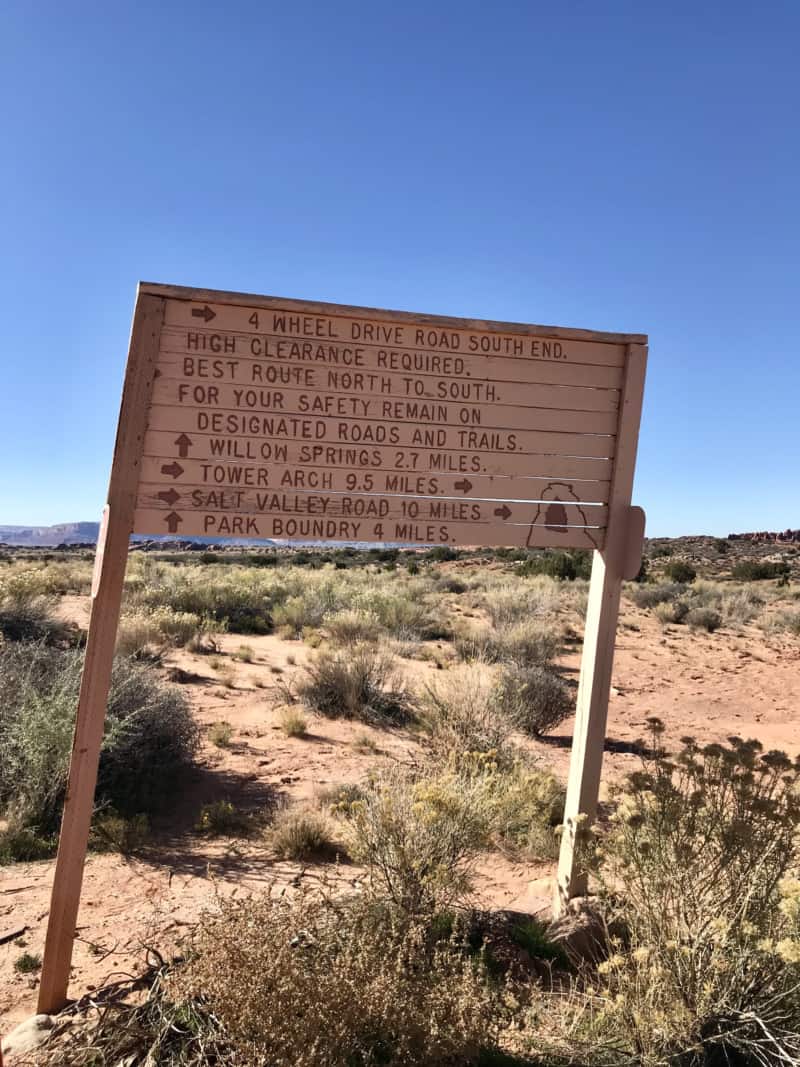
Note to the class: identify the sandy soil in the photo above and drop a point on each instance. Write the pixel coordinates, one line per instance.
(708, 685)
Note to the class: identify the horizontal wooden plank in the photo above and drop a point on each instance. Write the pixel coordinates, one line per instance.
(250, 374)
(186, 293)
(225, 474)
(403, 336)
(271, 348)
(222, 397)
(319, 454)
(351, 431)
(319, 528)
(184, 498)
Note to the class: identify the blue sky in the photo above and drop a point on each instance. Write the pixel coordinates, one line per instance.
(616, 166)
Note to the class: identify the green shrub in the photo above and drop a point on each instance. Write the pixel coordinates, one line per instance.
(222, 818)
(28, 963)
(149, 735)
(754, 571)
(679, 570)
(360, 683)
(21, 844)
(565, 566)
(113, 833)
(535, 699)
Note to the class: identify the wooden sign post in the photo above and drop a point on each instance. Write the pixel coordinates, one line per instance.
(261, 417)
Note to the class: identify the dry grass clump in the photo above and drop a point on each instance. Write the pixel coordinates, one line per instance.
(220, 734)
(535, 699)
(293, 722)
(358, 683)
(303, 835)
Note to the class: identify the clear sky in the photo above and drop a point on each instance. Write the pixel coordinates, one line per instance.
(616, 166)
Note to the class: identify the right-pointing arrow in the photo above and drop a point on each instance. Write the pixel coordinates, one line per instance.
(204, 313)
(464, 485)
(173, 521)
(169, 497)
(503, 512)
(174, 469)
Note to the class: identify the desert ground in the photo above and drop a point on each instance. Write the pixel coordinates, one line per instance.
(740, 677)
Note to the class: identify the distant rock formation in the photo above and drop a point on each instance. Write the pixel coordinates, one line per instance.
(66, 533)
(768, 537)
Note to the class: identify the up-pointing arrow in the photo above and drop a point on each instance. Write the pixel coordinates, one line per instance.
(169, 497)
(174, 469)
(183, 443)
(173, 521)
(204, 313)
(503, 512)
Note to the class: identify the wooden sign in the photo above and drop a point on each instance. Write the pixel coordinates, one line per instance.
(268, 418)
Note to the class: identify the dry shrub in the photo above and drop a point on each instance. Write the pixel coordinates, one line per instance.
(352, 627)
(461, 714)
(528, 642)
(26, 608)
(314, 982)
(704, 619)
(302, 835)
(142, 629)
(418, 842)
(535, 699)
(671, 611)
(358, 683)
(513, 601)
(696, 869)
(647, 596)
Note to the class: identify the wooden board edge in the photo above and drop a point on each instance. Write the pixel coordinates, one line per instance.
(221, 296)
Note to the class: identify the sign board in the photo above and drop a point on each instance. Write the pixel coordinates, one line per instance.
(261, 417)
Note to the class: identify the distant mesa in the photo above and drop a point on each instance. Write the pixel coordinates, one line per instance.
(66, 533)
(770, 537)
